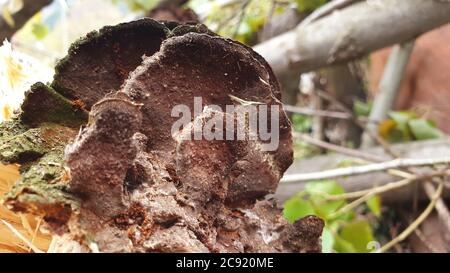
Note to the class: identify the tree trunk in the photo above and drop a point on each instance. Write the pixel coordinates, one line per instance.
(346, 86)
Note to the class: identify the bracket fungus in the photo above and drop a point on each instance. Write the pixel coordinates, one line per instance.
(124, 182)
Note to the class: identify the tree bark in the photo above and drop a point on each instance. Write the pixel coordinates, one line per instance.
(30, 8)
(346, 86)
(352, 32)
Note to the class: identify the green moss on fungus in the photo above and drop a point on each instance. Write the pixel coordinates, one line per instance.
(29, 145)
(181, 30)
(44, 104)
(99, 63)
(22, 148)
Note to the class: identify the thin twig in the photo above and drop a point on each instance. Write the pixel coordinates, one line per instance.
(375, 191)
(389, 87)
(416, 223)
(318, 121)
(424, 241)
(273, 7)
(241, 17)
(441, 207)
(384, 188)
(357, 170)
(316, 112)
(339, 149)
(362, 124)
(227, 20)
(327, 10)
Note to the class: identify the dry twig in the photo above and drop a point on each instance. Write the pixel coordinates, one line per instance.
(416, 222)
(357, 170)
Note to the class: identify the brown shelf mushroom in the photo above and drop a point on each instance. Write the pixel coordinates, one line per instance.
(129, 183)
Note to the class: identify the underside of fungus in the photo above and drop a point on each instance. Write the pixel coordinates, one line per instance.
(100, 164)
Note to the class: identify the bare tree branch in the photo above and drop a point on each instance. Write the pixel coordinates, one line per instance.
(389, 88)
(414, 225)
(379, 190)
(314, 112)
(441, 207)
(351, 33)
(30, 8)
(340, 149)
(327, 10)
(357, 170)
(420, 149)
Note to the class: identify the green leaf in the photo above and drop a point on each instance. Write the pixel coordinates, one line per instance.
(349, 163)
(424, 129)
(329, 187)
(343, 246)
(40, 31)
(255, 22)
(374, 204)
(359, 234)
(309, 5)
(327, 240)
(317, 191)
(301, 123)
(303, 149)
(146, 4)
(297, 208)
(244, 32)
(388, 130)
(362, 109)
(401, 119)
(138, 5)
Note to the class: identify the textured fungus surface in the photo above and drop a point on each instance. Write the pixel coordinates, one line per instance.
(123, 182)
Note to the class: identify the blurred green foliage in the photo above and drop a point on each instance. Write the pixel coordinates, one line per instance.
(40, 30)
(237, 19)
(138, 5)
(407, 126)
(243, 19)
(362, 109)
(401, 126)
(346, 232)
(309, 5)
(301, 123)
